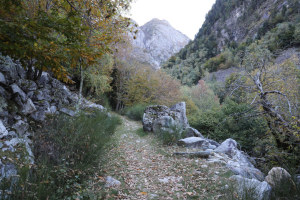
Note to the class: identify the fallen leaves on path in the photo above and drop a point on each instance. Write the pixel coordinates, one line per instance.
(147, 170)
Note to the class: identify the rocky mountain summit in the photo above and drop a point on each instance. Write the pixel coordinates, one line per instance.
(156, 42)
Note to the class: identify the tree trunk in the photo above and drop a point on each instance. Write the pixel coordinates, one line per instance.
(29, 72)
(80, 87)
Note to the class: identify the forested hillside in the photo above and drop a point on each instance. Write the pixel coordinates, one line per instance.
(229, 27)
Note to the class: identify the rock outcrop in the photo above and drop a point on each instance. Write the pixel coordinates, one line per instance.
(246, 187)
(23, 102)
(161, 118)
(156, 42)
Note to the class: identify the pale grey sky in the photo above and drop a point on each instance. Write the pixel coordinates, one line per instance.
(186, 16)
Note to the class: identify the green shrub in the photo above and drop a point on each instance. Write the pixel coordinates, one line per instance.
(171, 135)
(140, 132)
(67, 151)
(135, 112)
(231, 121)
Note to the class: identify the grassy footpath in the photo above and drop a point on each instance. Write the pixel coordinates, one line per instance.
(147, 170)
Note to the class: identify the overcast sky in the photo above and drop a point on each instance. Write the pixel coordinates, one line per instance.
(186, 16)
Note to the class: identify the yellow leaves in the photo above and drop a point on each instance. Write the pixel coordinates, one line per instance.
(143, 193)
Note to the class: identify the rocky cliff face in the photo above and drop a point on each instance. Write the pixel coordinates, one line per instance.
(232, 25)
(156, 42)
(241, 25)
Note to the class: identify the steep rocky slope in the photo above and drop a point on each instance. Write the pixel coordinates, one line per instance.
(233, 25)
(157, 41)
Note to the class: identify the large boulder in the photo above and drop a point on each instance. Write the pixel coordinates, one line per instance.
(229, 147)
(153, 113)
(281, 180)
(194, 142)
(239, 162)
(179, 113)
(164, 123)
(252, 188)
(246, 172)
(158, 117)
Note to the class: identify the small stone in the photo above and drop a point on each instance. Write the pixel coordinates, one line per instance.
(194, 142)
(38, 116)
(28, 107)
(4, 93)
(68, 112)
(27, 85)
(3, 131)
(12, 134)
(13, 142)
(53, 109)
(111, 182)
(21, 127)
(2, 79)
(16, 90)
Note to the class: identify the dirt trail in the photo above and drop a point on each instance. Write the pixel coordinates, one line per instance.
(147, 169)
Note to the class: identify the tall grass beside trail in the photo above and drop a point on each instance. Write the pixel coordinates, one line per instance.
(135, 112)
(67, 152)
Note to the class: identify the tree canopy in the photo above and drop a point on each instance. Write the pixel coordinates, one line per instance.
(57, 34)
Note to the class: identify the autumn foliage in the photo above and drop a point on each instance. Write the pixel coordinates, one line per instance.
(55, 35)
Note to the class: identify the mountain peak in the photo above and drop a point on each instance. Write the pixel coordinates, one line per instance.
(158, 21)
(159, 40)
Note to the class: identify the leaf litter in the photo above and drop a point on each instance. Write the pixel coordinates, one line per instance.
(147, 170)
